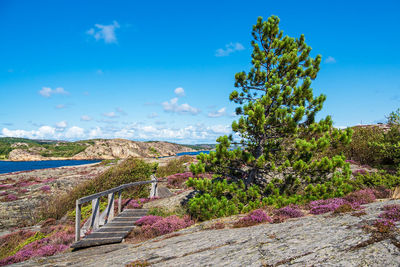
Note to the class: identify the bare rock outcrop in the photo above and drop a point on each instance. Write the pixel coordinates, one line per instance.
(322, 240)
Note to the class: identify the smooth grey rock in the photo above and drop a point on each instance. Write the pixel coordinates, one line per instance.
(322, 240)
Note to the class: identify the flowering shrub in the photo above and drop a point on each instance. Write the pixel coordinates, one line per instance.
(166, 225)
(279, 219)
(148, 220)
(382, 192)
(45, 188)
(391, 212)
(384, 226)
(343, 209)
(291, 211)
(11, 197)
(325, 205)
(135, 203)
(9, 242)
(253, 218)
(364, 196)
(176, 180)
(217, 226)
(40, 245)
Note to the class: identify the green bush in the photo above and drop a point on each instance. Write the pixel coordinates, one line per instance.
(173, 166)
(218, 198)
(378, 179)
(63, 149)
(361, 148)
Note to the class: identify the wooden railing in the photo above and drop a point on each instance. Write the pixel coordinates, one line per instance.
(96, 219)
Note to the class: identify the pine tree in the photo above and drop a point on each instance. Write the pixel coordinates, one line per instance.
(277, 128)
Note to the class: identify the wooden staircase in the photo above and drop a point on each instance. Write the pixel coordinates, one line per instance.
(113, 232)
(105, 228)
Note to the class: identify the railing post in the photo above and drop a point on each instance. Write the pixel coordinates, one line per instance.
(119, 201)
(153, 190)
(95, 213)
(110, 207)
(77, 221)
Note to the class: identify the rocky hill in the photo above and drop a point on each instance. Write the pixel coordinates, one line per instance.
(92, 149)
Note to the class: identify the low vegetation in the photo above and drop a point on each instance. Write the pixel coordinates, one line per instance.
(129, 170)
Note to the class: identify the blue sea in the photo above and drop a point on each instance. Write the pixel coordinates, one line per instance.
(16, 166)
(193, 153)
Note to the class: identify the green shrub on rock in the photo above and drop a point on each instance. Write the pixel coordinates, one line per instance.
(218, 198)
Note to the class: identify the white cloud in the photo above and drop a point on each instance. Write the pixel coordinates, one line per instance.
(110, 114)
(61, 125)
(179, 91)
(43, 132)
(136, 131)
(221, 112)
(330, 60)
(95, 133)
(105, 32)
(152, 115)
(229, 49)
(86, 118)
(121, 111)
(75, 132)
(47, 91)
(173, 107)
(60, 106)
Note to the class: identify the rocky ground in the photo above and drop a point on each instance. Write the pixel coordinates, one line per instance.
(321, 240)
(21, 192)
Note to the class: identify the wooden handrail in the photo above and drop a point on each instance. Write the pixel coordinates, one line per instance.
(95, 198)
(112, 190)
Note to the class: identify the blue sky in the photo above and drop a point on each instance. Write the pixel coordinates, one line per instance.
(163, 70)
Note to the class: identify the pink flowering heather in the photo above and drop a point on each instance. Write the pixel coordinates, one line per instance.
(148, 220)
(5, 186)
(45, 188)
(326, 205)
(253, 218)
(385, 225)
(48, 180)
(391, 212)
(381, 192)
(49, 250)
(39, 248)
(134, 205)
(291, 211)
(63, 238)
(361, 197)
(11, 197)
(166, 225)
(176, 180)
(351, 161)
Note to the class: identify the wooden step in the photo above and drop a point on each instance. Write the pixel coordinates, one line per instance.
(114, 231)
(90, 242)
